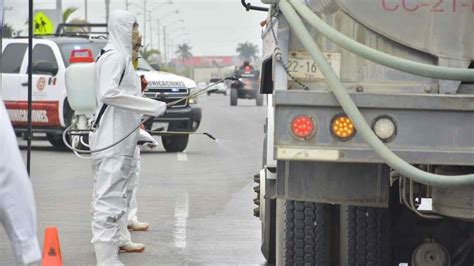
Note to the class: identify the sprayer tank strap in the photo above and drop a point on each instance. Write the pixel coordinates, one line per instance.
(104, 106)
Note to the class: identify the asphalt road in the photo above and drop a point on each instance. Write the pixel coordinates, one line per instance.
(199, 203)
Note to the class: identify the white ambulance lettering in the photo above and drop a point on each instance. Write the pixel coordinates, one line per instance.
(166, 84)
(21, 115)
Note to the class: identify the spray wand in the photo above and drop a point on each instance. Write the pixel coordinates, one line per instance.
(81, 133)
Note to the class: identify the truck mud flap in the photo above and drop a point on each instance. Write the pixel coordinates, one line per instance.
(356, 184)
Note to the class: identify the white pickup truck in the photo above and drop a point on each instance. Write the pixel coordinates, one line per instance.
(51, 110)
(184, 116)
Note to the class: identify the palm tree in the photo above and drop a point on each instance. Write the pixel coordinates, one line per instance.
(148, 53)
(66, 19)
(247, 50)
(67, 13)
(184, 51)
(8, 31)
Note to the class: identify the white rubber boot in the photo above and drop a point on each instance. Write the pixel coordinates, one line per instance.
(138, 226)
(131, 247)
(107, 254)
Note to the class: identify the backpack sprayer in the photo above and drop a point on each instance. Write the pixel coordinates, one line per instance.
(81, 91)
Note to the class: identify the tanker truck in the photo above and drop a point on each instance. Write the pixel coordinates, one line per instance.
(368, 156)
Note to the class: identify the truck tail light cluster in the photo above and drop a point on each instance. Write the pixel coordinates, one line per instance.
(341, 127)
(302, 126)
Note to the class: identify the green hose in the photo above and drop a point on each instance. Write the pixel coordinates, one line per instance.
(408, 66)
(355, 115)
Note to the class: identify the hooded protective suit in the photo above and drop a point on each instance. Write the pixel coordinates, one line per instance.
(119, 87)
(17, 202)
(124, 234)
(130, 218)
(125, 102)
(144, 138)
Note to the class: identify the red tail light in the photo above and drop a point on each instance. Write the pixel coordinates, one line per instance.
(302, 126)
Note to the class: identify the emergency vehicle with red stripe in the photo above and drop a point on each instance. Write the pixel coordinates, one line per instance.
(51, 110)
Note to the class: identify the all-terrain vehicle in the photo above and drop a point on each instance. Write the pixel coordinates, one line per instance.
(246, 87)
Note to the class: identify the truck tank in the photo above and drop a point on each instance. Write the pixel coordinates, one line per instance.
(438, 27)
(430, 32)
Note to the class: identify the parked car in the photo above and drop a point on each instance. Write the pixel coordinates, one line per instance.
(220, 87)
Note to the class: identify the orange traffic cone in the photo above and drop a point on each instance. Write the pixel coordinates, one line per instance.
(51, 248)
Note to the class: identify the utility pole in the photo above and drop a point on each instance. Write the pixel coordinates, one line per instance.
(107, 10)
(158, 34)
(30, 82)
(151, 30)
(171, 49)
(164, 43)
(85, 10)
(59, 7)
(144, 22)
(126, 5)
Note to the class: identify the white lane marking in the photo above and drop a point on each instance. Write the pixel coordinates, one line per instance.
(182, 156)
(181, 214)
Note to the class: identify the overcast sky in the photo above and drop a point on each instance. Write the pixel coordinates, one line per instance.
(213, 27)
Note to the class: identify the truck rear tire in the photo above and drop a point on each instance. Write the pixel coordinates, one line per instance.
(175, 143)
(305, 230)
(234, 97)
(368, 236)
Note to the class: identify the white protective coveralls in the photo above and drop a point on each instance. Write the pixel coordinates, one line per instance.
(132, 189)
(17, 202)
(130, 218)
(125, 105)
(124, 235)
(134, 178)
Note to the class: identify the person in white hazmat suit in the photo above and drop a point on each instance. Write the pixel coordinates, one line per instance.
(17, 202)
(118, 87)
(145, 139)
